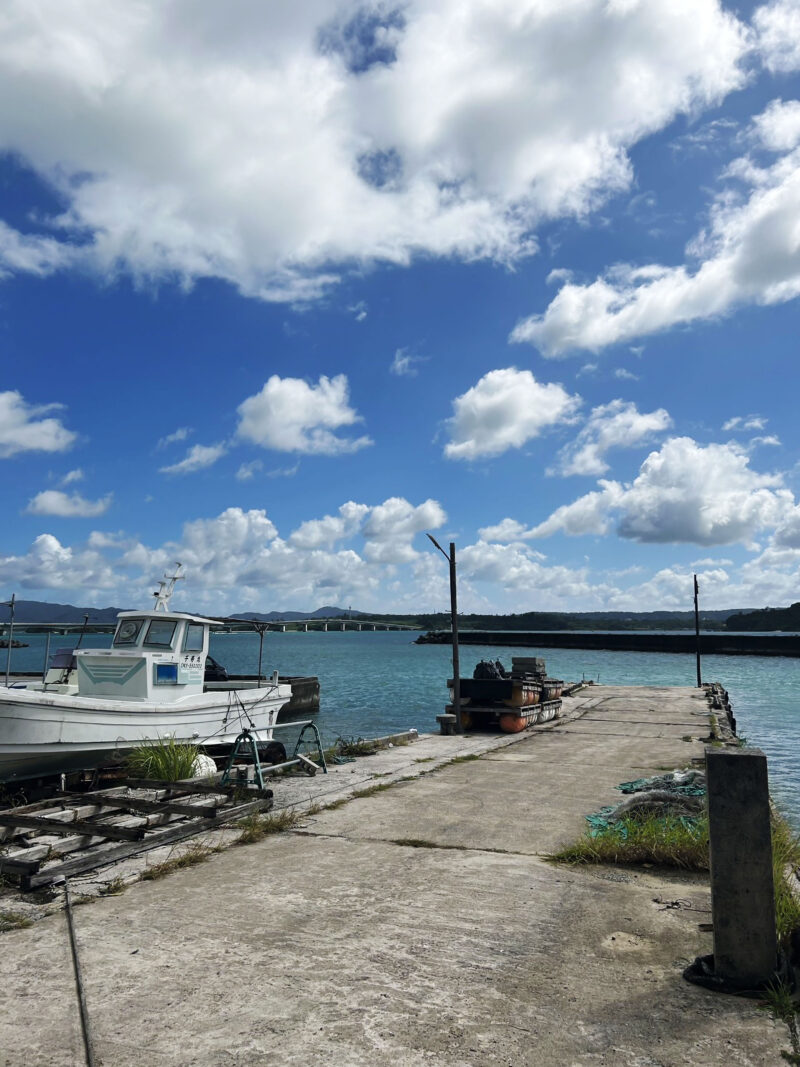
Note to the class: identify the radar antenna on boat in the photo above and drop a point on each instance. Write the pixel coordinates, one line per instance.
(165, 588)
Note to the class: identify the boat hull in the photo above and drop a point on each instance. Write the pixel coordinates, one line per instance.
(42, 734)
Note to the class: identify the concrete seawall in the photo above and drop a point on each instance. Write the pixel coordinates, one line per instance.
(717, 644)
(414, 925)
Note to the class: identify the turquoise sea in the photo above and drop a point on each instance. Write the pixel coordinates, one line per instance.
(375, 683)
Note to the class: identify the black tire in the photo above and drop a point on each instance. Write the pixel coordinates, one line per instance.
(272, 753)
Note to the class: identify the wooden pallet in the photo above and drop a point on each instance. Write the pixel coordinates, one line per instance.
(78, 832)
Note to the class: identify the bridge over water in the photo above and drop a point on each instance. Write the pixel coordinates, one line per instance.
(223, 626)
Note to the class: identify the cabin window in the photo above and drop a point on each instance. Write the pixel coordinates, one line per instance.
(160, 633)
(194, 637)
(128, 632)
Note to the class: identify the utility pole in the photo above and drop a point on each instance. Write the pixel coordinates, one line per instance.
(10, 636)
(451, 560)
(697, 633)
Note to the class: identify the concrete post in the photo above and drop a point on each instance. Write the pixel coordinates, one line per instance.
(742, 900)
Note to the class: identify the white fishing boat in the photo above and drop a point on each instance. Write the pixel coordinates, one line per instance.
(148, 685)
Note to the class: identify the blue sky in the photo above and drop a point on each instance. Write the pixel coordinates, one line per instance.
(285, 287)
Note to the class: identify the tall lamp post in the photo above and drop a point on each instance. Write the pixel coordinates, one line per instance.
(451, 560)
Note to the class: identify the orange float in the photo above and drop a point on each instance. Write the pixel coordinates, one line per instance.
(512, 724)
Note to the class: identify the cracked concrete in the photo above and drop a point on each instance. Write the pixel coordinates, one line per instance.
(335, 944)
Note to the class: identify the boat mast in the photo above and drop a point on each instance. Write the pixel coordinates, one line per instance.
(165, 588)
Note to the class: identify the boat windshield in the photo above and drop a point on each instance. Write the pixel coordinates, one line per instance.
(128, 632)
(160, 633)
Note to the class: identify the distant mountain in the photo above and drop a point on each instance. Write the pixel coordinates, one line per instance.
(299, 616)
(40, 611)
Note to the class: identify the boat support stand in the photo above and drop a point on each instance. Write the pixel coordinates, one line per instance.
(245, 748)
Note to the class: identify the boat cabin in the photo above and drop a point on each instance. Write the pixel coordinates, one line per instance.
(156, 656)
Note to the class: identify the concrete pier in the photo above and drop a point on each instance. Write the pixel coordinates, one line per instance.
(416, 925)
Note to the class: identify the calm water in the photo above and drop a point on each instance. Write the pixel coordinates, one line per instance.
(379, 683)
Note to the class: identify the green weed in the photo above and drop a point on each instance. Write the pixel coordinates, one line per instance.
(163, 758)
(665, 841)
(193, 855)
(12, 920)
(256, 827)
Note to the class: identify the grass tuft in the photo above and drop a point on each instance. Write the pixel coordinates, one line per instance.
(163, 758)
(113, 888)
(785, 861)
(256, 827)
(193, 855)
(354, 746)
(665, 841)
(12, 920)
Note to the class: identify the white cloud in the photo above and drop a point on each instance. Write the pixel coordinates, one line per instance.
(778, 127)
(240, 142)
(325, 532)
(625, 375)
(392, 526)
(518, 569)
(50, 565)
(72, 476)
(177, 435)
(504, 531)
(246, 471)
(32, 254)
(503, 410)
(23, 430)
(197, 458)
(618, 424)
(403, 363)
(778, 29)
(289, 415)
(67, 505)
(745, 422)
(749, 254)
(359, 311)
(684, 493)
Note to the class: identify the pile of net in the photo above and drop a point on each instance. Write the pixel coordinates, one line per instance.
(676, 795)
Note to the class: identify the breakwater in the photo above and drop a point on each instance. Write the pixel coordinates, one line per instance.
(717, 644)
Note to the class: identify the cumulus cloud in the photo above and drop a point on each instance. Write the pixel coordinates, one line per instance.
(778, 127)
(749, 254)
(67, 505)
(23, 430)
(289, 415)
(505, 530)
(50, 565)
(196, 459)
(778, 28)
(196, 140)
(72, 476)
(392, 526)
(517, 568)
(683, 493)
(317, 533)
(503, 410)
(618, 424)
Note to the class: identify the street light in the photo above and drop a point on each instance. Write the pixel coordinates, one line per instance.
(451, 559)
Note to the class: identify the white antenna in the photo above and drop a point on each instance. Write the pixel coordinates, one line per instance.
(165, 588)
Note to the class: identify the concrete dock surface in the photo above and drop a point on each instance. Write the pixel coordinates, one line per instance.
(419, 925)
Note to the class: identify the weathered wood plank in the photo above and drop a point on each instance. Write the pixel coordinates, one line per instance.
(190, 785)
(102, 857)
(55, 826)
(160, 806)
